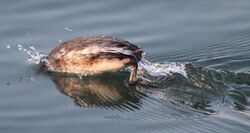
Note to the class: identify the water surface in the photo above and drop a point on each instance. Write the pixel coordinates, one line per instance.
(212, 37)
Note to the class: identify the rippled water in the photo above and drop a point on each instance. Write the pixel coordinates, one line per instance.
(210, 37)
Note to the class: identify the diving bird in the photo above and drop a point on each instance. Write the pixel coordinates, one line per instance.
(93, 55)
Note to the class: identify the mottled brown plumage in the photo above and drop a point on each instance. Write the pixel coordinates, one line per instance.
(94, 54)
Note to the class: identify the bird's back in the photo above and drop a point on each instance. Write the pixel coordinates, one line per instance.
(98, 45)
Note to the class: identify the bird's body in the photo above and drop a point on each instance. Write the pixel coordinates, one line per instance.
(95, 55)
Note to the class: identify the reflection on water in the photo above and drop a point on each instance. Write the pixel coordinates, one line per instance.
(203, 90)
(107, 90)
(212, 34)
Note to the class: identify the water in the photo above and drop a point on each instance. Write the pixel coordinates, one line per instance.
(210, 37)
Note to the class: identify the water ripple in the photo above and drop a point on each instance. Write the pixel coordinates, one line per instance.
(211, 34)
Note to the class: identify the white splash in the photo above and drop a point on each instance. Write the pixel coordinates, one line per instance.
(35, 55)
(164, 69)
(20, 47)
(67, 28)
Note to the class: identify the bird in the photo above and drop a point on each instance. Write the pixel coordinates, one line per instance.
(93, 55)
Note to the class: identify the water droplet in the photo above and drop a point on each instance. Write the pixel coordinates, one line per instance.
(32, 47)
(8, 46)
(20, 47)
(80, 76)
(29, 59)
(67, 28)
(59, 40)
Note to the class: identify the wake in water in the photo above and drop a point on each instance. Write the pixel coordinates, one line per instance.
(188, 73)
(196, 87)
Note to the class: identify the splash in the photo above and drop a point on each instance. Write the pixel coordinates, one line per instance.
(67, 28)
(35, 56)
(148, 69)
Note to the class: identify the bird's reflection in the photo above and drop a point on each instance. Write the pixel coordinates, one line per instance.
(106, 90)
(112, 90)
